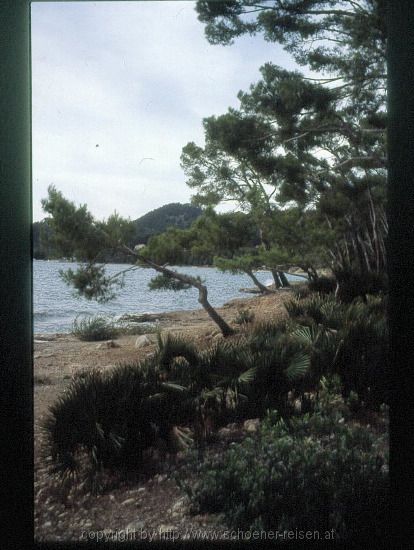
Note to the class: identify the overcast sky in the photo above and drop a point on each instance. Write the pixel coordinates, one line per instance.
(115, 83)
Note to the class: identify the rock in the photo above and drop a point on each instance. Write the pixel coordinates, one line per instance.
(251, 425)
(179, 506)
(141, 490)
(143, 341)
(297, 404)
(233, 426)
(47, 524)
(160, 478)
(224, 432)
(128, 501)
(108, 344)
(45, 338)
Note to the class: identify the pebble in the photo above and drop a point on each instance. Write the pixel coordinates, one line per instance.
(160, 478)
(128, 501)
(179, 506)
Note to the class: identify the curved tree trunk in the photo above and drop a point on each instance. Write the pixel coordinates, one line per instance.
(283, 278)
(276, 278)
(263, 288)
(226, 330)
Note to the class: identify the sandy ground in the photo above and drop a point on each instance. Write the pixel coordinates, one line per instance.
(151, 506)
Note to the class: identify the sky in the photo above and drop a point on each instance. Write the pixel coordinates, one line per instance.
(118, 88)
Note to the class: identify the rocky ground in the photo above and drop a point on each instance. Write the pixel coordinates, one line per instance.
(150, 505)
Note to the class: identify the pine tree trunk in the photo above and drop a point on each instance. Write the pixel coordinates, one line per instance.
(275, 275)
(259, 285)
(226, 330)
(283, 278)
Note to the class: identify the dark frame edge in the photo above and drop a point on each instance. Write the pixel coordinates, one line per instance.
(16, 271)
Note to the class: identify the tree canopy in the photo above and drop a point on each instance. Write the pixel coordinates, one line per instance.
(317, 143)
(84, 238)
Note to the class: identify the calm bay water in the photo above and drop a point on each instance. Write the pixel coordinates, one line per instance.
(55, 306)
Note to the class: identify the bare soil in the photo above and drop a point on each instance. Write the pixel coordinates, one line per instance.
(146, 506)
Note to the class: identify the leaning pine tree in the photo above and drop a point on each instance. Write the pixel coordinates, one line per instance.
(317, 141)
(81, 237)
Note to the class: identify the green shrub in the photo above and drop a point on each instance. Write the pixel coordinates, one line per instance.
(362, 358)
(107, 420)
(94, 328)
(313, 472)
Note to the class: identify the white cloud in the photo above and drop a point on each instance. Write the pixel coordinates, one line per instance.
(135, 78)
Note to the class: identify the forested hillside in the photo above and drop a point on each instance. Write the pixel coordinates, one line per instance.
(157, 221)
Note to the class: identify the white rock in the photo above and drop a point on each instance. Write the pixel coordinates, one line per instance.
(224, 432)
(179, 506)
(128, 501)
(251, 425)
(160, 478)
(143, 341)
(106, 345)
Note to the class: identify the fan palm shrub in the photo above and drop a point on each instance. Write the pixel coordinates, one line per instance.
(348, 339)
(109, 419)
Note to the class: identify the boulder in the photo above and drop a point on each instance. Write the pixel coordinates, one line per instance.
(143, 341)
(107, 344)
(251, 425)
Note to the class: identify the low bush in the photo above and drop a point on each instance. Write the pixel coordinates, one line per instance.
(312, 472)
(244, 316)
(94, 328)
